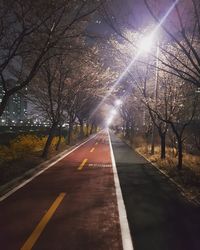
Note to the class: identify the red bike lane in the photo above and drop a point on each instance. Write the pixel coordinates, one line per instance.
(72, 205)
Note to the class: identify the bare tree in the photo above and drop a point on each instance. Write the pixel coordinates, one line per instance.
(87, 80)
(48, 95)
(181, 45)
(180, 102)
(30, 30)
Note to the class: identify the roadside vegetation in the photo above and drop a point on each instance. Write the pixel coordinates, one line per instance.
(66, 72)
(24, 152)
(160, 89)
(188, 179)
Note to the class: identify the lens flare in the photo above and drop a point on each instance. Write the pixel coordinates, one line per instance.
(124, 73)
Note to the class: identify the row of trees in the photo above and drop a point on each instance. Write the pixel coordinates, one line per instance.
(67, 90)
(163, 83)
(44, 46)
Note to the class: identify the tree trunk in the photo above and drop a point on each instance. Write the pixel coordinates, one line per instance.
(59, 137)
(81, 129)
(69, 139)
(87, 129)
(127, 136)
(153, 139)
(132, 133)
(49, 140)
(163, 145)
(91, 129)
(180, 154)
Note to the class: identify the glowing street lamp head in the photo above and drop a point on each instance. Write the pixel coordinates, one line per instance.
(146, 43)
(113, 111)
(118, 102)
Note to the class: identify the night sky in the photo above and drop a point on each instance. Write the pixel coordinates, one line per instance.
(134, 15)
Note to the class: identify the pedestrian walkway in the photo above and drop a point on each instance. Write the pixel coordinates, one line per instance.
(159, 217)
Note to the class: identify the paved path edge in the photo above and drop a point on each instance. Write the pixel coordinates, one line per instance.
(124, 226)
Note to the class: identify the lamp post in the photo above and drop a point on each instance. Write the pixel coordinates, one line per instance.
(145, 46)
(118, 102)
(156, 99)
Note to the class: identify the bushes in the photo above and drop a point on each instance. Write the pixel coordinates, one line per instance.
(30, 144)
(23, 145)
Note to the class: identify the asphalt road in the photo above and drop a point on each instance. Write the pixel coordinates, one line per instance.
(159, 217)
(71, 206)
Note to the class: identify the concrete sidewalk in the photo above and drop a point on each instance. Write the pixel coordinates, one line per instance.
(159, 217)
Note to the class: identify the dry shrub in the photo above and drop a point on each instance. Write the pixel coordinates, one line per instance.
(19, 147)
(188, 177)
(24, 145)
(55, 141)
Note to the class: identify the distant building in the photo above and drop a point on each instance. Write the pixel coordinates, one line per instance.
(16, 109)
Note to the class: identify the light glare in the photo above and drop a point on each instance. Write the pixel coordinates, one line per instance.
(146, 43)
(109, 121)
(113, 111)
(118, 102)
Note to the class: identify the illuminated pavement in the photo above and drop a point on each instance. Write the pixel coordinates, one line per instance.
(159, 217)
(71, 206)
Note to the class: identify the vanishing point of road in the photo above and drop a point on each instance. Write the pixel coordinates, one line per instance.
(77, 204)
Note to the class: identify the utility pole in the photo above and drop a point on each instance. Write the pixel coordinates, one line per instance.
(156, 98)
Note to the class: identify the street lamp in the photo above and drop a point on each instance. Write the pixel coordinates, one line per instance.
(113, 111)
(118, 102)
(146, 43)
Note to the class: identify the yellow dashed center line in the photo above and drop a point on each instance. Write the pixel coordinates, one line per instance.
(82, 164)
(42, 224)
(92, 150)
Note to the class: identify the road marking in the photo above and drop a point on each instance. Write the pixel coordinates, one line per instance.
(100, 165)
(82, 164)
(125, 231)
(42, 224)
(92, 150)
(63, 155)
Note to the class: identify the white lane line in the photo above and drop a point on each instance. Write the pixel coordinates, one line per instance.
(125, 231)
(40, 172)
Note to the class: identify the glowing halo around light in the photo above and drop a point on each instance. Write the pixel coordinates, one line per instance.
(109, 121)
(118, 102)
(146, 43)
(127, 69)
